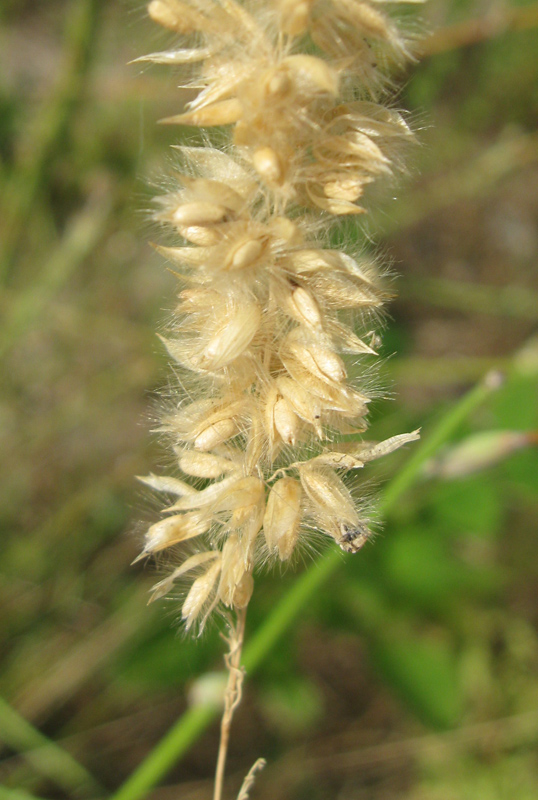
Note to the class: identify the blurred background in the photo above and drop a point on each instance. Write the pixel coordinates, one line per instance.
(414, 674)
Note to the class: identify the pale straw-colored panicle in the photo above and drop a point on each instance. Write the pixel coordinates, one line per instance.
(269, 317)
(274, 329)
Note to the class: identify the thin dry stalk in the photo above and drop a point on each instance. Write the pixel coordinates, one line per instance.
(232, 697)
(248, 783)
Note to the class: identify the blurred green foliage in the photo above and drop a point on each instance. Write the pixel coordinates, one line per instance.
(413, 672)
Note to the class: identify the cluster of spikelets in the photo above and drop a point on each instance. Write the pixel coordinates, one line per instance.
(270, 318)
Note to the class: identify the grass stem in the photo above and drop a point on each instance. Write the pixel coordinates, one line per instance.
(48, 130)
(46, 757)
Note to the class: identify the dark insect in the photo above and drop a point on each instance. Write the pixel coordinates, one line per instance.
(353, 537)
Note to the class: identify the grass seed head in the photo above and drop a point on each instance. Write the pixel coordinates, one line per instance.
(266, 310)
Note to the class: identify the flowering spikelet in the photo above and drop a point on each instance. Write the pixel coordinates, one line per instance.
(270, 318)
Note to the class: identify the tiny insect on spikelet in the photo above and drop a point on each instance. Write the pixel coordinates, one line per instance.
(270, 317)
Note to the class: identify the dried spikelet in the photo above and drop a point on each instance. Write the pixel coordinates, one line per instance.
(268, 165)
(233, 570)
(283, 517)
(176, 16)
(306, 405)
(207, 423)
(224, 112)
(286, 421)
(163, 587)
(316, 356)
(216, 433)
(243, 591)
(165, 483)
(199, 593)
(173, 530)
(266, 310)
(204, 465)
(227, 495)
(327, 492)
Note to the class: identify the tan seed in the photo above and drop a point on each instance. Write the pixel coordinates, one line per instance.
(282, 517)
(201, 212)
(204, 465)
(215, 434)
(267, 164)
(225, 112)
(286, 421)
(199, 594)
(244, 254)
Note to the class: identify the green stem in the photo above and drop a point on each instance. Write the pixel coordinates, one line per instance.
(446, 426)
(444, 370)
(47, 132)
(45, 756)
(196, 719)
(82, 235)
(6, 793)
(517, 302)
(172, 746)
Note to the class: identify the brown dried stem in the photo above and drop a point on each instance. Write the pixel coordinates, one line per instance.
(232, 697)
(250, 778)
